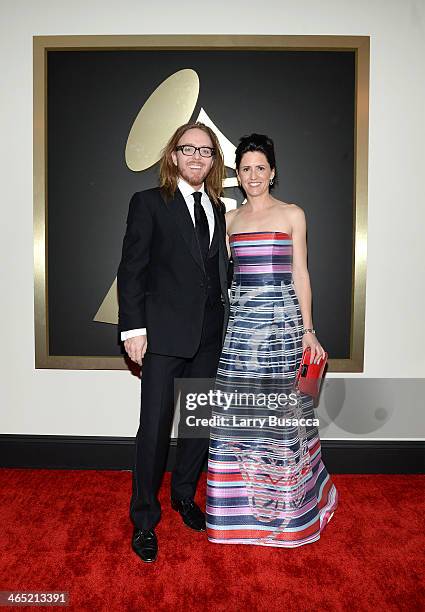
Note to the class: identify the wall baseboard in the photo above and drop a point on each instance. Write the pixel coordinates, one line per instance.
(113, 453)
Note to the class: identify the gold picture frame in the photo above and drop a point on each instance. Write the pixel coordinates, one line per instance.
(43, 44)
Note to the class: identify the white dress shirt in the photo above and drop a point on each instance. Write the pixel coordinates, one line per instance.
(186, 191)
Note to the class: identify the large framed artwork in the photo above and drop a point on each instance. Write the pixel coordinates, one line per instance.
(104, 107)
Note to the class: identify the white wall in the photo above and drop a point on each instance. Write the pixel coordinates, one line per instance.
(106, 402)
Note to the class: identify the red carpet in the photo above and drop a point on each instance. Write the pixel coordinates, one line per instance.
(70, 531)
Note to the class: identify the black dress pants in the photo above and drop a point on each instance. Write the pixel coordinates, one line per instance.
(156, 417)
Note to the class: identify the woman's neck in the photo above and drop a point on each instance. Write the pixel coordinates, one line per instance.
(259, 203)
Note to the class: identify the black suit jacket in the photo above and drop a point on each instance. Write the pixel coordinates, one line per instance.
(162, 284)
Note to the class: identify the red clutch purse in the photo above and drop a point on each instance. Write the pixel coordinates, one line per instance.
(309, 375)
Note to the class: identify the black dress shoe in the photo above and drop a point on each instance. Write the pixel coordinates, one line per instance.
(191, 514)
(145, 544)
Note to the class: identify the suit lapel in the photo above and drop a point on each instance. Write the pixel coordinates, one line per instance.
(223, 258)
(178, 209)
(214, 241)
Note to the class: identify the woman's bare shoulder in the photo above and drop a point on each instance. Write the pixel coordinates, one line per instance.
(294, 211)
(292, 215)
(230, 214)
(230, 217)
(289, 206)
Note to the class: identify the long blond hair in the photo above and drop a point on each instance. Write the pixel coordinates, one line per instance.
(168, 172)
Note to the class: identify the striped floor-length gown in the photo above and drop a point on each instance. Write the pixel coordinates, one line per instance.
(267, 484)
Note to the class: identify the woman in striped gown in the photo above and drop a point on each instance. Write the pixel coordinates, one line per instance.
(267, 484)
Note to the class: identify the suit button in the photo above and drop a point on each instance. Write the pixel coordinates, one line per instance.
(201, 285)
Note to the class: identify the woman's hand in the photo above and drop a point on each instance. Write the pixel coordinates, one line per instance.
(317, 350)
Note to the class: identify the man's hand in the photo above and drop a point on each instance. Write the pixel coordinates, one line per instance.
(136, 348)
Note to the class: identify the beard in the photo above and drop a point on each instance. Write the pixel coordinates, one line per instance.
(194, 178)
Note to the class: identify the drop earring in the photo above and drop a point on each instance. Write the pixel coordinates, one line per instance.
(271, 182)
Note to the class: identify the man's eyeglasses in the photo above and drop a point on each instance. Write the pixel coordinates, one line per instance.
(190, 150)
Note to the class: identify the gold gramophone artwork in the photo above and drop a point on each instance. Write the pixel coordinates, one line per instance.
(170, 105)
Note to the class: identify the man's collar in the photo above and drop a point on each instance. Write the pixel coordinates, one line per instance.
(186, 189)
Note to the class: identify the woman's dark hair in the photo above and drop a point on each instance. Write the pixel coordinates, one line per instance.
(257, 142)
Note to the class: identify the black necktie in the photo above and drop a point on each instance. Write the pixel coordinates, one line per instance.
(201, 225)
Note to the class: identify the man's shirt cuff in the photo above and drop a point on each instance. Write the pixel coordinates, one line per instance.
(132, 333)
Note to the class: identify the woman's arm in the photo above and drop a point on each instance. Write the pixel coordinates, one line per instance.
(302, 280)
(229, 219)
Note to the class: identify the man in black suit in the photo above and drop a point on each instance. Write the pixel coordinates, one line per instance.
(173, 309)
